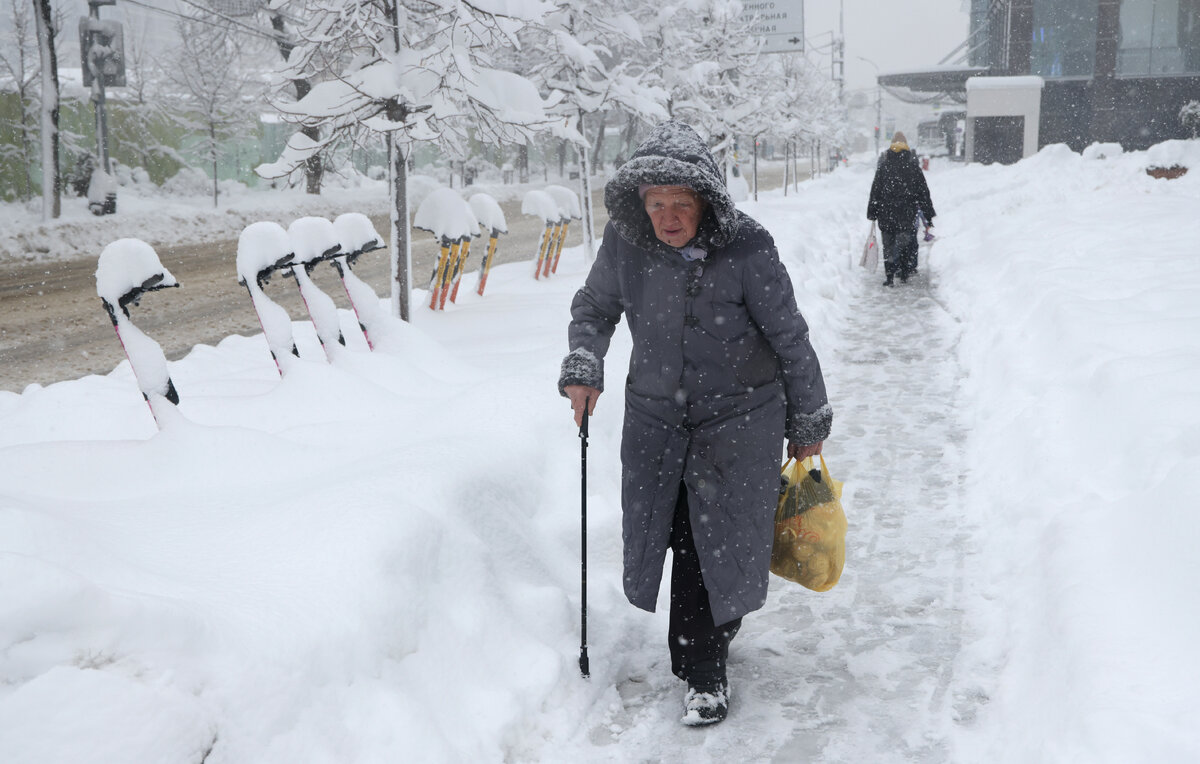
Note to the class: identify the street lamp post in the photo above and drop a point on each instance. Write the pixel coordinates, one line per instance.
(878, 101)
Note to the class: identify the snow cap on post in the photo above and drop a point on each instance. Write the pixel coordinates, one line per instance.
(568, 202)
(262, 247)
(356, 233)
(127, 266)
(313, 239)
(487, 211)
(542, 205)
(446, 215)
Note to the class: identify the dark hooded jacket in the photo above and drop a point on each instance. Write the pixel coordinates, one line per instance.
(721, 371)
(898, 189)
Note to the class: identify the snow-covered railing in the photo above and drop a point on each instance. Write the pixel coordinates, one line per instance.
(357, 236)
(263, 248)
(542, 205)
(491, 219)
(448, 217)
(314, 240)
(126, 270)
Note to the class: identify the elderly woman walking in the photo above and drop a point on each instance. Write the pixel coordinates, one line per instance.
(721, 373)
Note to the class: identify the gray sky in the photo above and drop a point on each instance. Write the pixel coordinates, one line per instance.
(895, 34)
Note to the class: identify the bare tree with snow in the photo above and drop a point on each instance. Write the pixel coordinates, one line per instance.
(579, 60)
(285, 40)
(712, 67)
(415, 72)
(147, 105)
(216, 89)
(20, 65)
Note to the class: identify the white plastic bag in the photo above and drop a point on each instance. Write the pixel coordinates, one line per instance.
(870, 254)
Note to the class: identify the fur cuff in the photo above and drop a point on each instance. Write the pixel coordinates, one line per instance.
(809, 429)
(581, 367)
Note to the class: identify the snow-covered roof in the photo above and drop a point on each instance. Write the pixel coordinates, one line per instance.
(1024, 82)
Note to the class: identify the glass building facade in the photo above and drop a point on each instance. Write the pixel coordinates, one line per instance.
(1159, 37)
(1064, 38)
(1154, 38)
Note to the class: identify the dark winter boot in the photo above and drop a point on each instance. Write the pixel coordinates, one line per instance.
(706, 703)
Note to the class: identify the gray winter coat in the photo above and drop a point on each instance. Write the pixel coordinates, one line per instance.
(721, 371)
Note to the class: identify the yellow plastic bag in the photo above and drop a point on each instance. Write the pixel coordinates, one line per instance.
(810, 527)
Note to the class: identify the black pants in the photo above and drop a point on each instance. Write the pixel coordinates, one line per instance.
(699, 648)
(899, 252)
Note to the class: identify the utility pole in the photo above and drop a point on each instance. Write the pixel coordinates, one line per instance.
(878, 114)
(101, 45)
(838, 62)
(878, 102)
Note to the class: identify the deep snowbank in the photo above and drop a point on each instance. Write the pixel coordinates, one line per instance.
(1078, 285)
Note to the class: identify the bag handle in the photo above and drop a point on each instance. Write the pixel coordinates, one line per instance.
(817, 477)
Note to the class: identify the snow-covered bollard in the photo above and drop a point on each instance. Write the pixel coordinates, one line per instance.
(127, 269)
(313, 240)
(569, 209)
(102, 193)
(357, 236)
(263, 248)
(447, 216)
(542, 205)
(491, 218)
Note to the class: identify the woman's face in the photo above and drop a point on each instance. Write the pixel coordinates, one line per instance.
(675, 213)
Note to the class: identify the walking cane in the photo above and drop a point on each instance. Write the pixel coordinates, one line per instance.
(583, 439)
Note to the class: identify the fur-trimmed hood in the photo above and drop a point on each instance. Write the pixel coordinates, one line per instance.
(673, 155)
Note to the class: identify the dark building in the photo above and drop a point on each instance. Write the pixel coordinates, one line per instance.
(1115, 70)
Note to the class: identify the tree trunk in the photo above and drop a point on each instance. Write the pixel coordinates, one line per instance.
(627, 137)
(313, 169)
(585, 186)
(598, 148)
(401, 244)
(787, 165)
(523, 163)
(26, 148)
(212, 136)
(51, 182)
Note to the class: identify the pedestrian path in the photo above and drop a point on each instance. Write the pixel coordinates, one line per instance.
(871, 666)
(862, 673)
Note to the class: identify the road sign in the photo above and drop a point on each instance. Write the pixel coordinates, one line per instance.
(780, 23)
(103, 46)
